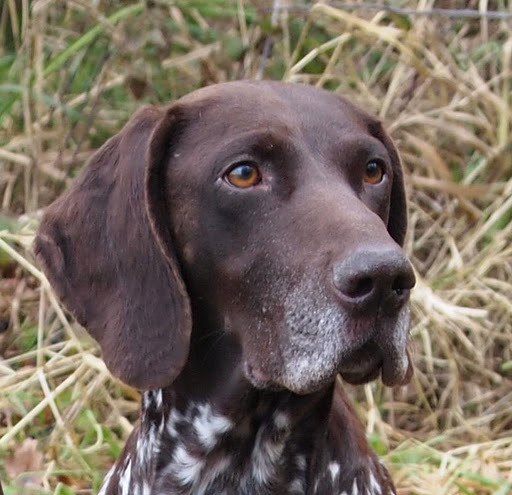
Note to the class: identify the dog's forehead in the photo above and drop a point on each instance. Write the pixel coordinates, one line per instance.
(246, 105)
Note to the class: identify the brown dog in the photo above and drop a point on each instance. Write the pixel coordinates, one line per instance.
(232, 254)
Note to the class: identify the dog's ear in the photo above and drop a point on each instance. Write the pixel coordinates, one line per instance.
(112, 270)
(397, 222)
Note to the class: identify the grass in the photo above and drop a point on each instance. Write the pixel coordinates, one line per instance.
(71, 73)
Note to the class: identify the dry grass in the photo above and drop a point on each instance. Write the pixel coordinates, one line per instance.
(72, 72)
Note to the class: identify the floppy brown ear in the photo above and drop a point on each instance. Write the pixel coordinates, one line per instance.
(102, 257)
(397, 222)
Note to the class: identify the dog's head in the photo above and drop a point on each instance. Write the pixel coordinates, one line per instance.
(271, 211)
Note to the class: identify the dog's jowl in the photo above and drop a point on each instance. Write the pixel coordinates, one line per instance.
(233, 254)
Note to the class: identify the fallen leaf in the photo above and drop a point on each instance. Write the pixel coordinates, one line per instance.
(26, 460)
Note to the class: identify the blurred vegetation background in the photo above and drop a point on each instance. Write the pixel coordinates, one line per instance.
(71, 74)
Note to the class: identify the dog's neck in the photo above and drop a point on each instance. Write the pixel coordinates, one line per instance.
(218, 423)
(263, 440)
(229, 437)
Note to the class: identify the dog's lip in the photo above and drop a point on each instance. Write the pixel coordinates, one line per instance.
(397, 371)
(362, 365)
(260, 380)
(360, 377)
(366, 363)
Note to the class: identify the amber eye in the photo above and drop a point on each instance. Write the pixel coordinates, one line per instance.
(243, 174)
(374, 172)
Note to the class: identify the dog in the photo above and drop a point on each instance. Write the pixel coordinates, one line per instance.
(233, 254)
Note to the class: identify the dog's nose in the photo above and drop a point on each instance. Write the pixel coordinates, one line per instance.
(374, 278)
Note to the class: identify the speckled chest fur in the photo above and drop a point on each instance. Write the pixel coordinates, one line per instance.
(197, 451)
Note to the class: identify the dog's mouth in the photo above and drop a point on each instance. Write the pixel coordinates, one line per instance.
(361, 366)
(360, 349)
(366, 363)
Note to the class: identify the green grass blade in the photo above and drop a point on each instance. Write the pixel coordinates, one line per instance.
(89, 36)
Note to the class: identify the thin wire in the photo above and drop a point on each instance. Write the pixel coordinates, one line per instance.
(269, 42)
(435, 12)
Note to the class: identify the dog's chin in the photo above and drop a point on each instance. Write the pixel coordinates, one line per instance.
(308, 384)
(260, 380)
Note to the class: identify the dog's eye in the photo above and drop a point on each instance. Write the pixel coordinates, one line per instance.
(243, 174)
(374, 172)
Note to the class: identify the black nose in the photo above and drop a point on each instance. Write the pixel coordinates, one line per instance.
(374, 278)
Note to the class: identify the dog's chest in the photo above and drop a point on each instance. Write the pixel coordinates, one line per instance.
(204, 452)
(196, 451)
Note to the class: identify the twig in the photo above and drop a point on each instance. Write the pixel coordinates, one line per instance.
(27, 419)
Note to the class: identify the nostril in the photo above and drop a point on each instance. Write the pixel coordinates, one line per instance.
(403, 282)
(359, 287)
(399, 286)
